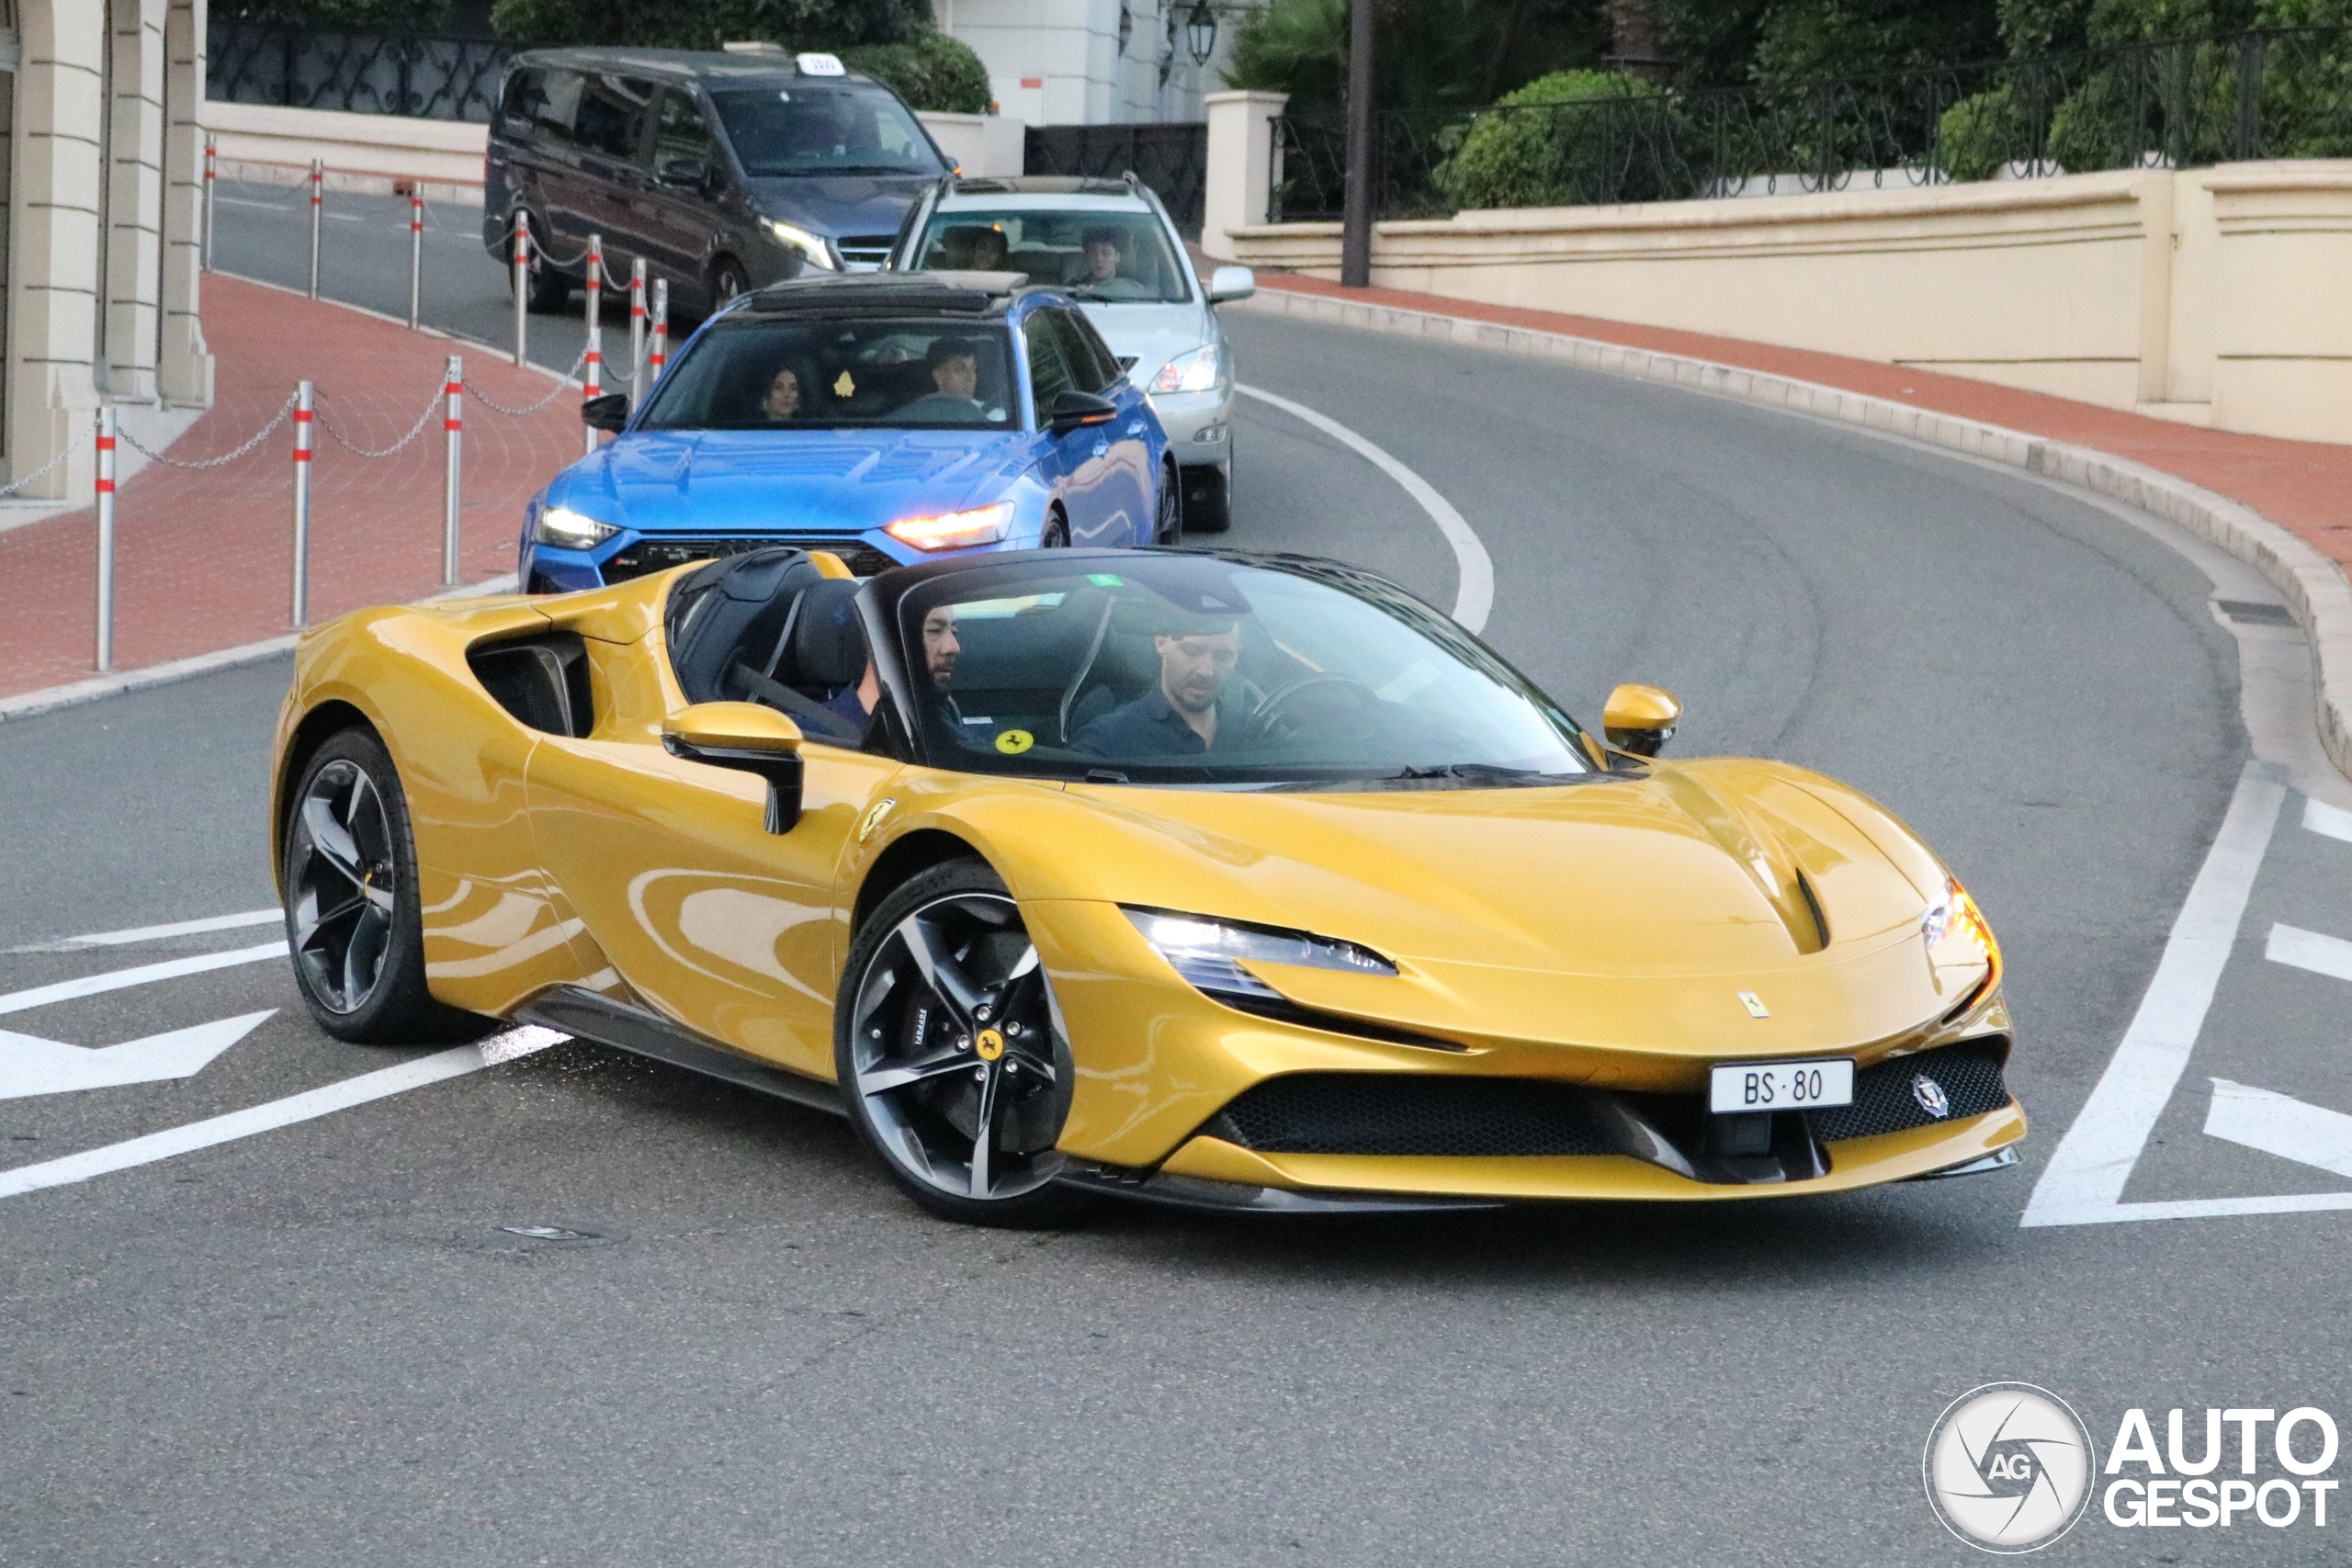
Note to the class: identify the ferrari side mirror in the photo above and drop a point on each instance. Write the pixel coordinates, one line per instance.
(749, 739)
(607, 412)
(1640, 719)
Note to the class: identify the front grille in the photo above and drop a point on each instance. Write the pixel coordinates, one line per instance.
(660, 555)
(866, 250)
(1403, 1113)
(1886, 1100)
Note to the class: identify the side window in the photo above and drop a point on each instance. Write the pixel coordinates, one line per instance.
(611, 117)
(1049, 369)
(1107, 373)
(1086, 373)
(682, 135)
(555, 104)
(526, 92)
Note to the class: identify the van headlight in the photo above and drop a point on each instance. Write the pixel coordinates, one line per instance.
(1202, 371)
(1208, 952)
(570, 530)
(812, 247)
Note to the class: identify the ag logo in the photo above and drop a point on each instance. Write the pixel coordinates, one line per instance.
(2008, 1467)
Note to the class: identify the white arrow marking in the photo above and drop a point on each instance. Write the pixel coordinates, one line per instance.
(415, 1074)
(2330, 821)
(156, 933)
(31, 1065)
(2309, 950)
(2257, 1119)
(116, 979)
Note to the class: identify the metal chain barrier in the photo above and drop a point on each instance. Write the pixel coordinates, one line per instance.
(414, 431)
(71, 445)
(560, 389)
(257, 437)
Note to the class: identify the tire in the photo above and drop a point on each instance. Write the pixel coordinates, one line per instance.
(1167, 510)
(728, 279)
(546, 290)
(1208, 500)
(1056, 534)
(941, 974)
(353, 919)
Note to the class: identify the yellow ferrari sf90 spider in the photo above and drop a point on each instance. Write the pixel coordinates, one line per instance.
(1217, 879)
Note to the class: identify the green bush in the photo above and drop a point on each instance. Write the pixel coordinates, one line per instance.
(935, 72)
(1979, 134)
(1568, 142)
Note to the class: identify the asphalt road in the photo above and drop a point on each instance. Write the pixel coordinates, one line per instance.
(319, 1343)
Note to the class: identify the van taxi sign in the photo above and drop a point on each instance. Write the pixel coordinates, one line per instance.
(819, 65)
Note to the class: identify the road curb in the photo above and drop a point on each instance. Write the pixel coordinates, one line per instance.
(2314, 587)
(25, 704)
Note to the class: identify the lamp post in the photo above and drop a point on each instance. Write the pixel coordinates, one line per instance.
(1355, 226)
(1200, 32)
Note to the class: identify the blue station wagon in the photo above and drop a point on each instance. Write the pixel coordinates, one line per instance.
(884, 417)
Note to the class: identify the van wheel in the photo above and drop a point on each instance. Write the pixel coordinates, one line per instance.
(726, 280)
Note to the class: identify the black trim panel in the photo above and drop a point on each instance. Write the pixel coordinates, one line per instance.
(573, 1010)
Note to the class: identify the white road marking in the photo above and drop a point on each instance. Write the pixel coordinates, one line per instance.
(2301, 949)
(2331, 821)
(2259, 1119)
(1473, 599)
(304, 1106)
(156, 933)
(2084, 1182)
(145, 973)
(31, 1065)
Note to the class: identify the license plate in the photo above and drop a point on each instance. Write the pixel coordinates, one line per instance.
(1780, 1086)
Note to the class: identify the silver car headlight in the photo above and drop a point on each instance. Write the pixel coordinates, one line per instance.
(570, 530)
(812, 247)
(1202, 371)
(1208, 952)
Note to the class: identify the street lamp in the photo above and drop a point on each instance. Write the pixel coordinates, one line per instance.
(1200, 32)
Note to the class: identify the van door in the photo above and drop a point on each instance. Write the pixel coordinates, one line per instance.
(609, 175)
(678, 205)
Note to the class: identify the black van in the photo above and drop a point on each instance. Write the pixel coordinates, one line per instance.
(723, 171)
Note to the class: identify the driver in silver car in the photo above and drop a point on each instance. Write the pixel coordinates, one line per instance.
(1193, 707)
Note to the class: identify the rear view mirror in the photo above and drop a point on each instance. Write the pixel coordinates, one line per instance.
(749, 739)
(1231, 283)
(1640, 719)
(607, 412)
(1075, 410)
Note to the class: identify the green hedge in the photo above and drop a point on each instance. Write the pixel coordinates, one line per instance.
(935, 72)
(1535, 158)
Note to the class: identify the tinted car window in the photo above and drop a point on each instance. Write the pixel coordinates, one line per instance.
(839, 375)
(805, 128)
(552, 100)
(611, 115)
(1049, 368)
(682, 135)
(1051, 247)
(525, 91)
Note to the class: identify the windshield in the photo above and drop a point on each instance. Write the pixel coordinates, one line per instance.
(830, 129)
(1199, 670)
(1111, 257)
(749, 374)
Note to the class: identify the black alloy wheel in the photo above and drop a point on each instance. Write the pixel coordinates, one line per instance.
(726, 280)
(951, 1053)
(352, 915)
(1167, 522)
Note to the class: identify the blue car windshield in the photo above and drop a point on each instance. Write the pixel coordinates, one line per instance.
(1163, 668)
(807, 129)
(750, 373)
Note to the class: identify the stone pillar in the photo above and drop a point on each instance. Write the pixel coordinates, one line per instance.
(134, 209)
(1239, 188)
(52, 394)
(185, 373)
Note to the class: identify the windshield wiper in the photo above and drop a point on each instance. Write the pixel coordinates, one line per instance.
(1481, 772)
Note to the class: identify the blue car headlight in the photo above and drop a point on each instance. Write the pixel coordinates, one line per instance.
(570, 530)
(955, 530)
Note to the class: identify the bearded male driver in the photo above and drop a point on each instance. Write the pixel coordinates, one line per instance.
(941, 648)
(1192, 710)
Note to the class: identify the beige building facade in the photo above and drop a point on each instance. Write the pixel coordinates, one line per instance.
(100, 251)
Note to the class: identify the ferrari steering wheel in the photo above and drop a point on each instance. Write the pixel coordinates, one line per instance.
(1272, 709)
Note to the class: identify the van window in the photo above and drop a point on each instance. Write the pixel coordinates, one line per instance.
(802, 129)
(681, 135)
(611, 117)
(552, 98)
(525, 91)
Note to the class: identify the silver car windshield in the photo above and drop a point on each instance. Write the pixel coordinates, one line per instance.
(1100, 257)
(769, 374)
(1186, 668)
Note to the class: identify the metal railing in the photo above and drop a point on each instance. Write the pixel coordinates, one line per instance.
(368, 72)
(2276, 93)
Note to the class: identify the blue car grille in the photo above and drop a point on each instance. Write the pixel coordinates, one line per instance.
(659, 554)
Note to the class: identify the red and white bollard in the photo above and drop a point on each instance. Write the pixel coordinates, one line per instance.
(522, 282)
(636, 332)
(661, 354)
(302, 504)
(592, 382)
(318, 187)
(453, 423)
(212, 178)
(415, 252)
(105, 539)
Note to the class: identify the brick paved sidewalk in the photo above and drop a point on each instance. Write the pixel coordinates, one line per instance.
(203, 562)
(2303, 486)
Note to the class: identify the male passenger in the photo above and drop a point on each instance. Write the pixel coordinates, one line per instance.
(1191, 711)
(941, 648)
(1101, 245)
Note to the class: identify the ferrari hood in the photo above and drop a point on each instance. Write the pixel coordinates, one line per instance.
(717, 480)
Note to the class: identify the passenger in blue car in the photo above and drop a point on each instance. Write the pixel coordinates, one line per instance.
(782, 403)
(1189, 711)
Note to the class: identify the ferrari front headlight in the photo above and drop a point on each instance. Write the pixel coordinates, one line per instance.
(1208, 952)
(1956, 929)
(811, 246)
(570, 530)
(956, 530)
(1199, 371)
